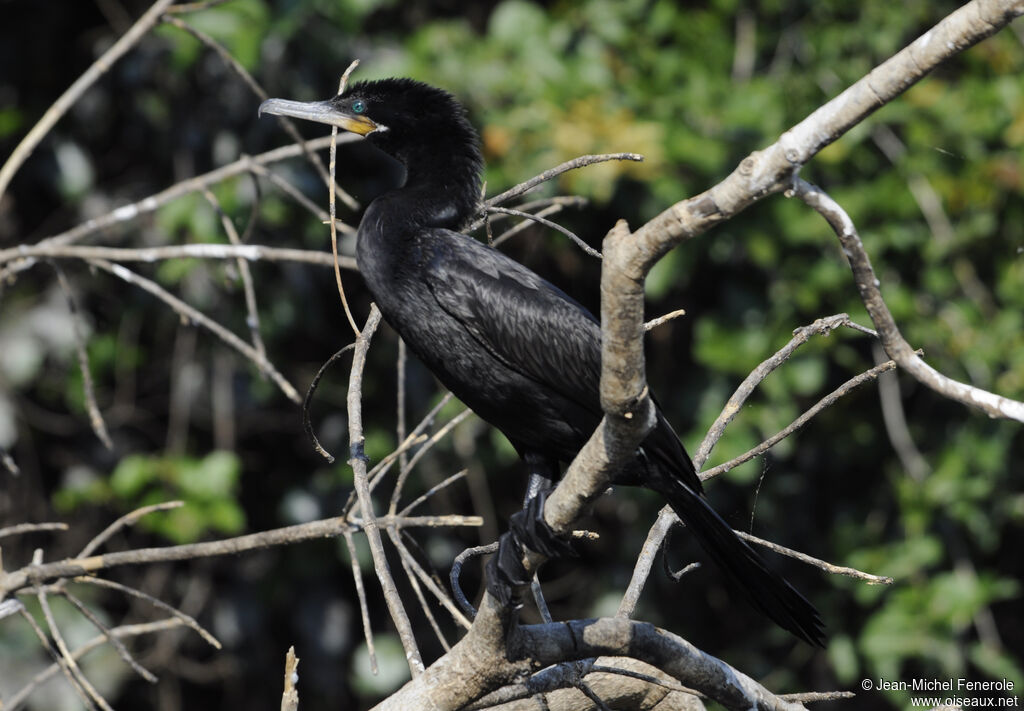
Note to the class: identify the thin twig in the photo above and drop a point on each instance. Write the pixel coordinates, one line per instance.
(851, 384)
(543, 207)
(670, 684)
(645, 561)
(573, 164)
(21, 528)
(364, 610)
(69, 660)
(127, 213)
(129, 519)
(188, 620)
(88, 388)
(370, 524)
(253, 318)
(331, 192)
(671, 315)
(199, 250)
(548, 223)
(58, 658)
(433, 490)
(522, 225)
(432, 586)
(817, 562)
(421, 452)
(195, 316)
(254, 86)
(412, 576)
(456, 573)
(15, 701)
(307, 424)
(895, 420)
(295, 194)
(822, 326)
(106, 631)
(414, 438)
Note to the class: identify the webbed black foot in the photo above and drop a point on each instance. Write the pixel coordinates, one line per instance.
(527, 529)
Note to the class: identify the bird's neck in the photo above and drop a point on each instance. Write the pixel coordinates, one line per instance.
(442, 187)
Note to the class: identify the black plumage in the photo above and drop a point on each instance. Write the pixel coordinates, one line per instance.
(513, 347)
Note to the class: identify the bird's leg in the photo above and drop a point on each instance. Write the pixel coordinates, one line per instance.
(540, 484)
(527, 529)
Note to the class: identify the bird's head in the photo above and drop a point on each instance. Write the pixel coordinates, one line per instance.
(412, 121)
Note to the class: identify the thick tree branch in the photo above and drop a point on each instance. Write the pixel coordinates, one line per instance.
(581, 639)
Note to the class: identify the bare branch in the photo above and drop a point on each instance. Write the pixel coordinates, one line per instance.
(61, 662)
(332, 191)
(817, 562)
(38, 573)
(370, 522)
(582, 639)
(290, 696)
(892, 340)
(573, 164)
(253, 319)
(16, 700)
(129, 519)
(364, 610)
(254, 86)
(89, 390)
(195, 316)
(188, 620)
(645, 561)
(670, 316)
(895, 421)
(851, 384)
(307, 425)
(522, 225)
(433, 490)
(822, 326)
(548, 223)
(71, 665)
(126, 213)
(770, 170)
(200, 250)
(22, 528)
(122, 651)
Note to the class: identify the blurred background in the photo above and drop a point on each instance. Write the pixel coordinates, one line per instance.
(927, 491)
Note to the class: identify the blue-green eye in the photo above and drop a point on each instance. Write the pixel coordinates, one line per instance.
(358, 107)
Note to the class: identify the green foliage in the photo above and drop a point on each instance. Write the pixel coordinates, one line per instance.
(208, 486)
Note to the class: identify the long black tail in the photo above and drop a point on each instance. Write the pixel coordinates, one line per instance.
(764, 588)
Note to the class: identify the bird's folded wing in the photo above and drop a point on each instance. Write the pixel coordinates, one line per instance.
(525, 322)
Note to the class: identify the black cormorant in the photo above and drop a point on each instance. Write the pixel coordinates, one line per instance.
(513, 347)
